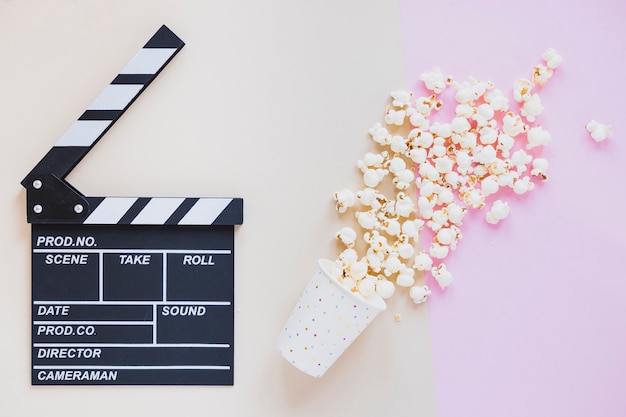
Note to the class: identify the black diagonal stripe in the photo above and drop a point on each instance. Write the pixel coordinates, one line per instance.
(101, 115)
(164, 38)
(134, 210)
(180, 212)
(232, 214)
(93, 203)
(133, 79)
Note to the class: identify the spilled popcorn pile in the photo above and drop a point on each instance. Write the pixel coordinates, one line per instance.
(455, 166)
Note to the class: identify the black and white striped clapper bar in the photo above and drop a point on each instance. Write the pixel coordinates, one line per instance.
(128, 291)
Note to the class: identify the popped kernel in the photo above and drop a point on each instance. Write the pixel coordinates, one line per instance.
(532, 108)
(372, 177)
(401, 98)
(398, 144)
(423, 262)
(513, 125)
(442, 275)
(419, 294)
(438, 251)
(599, 131)
(344, 199)
(542, 74)
(395, 117)
(497, 100)
(540, 166)
(385, 288)
(347, 236)
(537, 136)
(552, 58)
(434, 80)
(523, 185)
(521, 90)
(367, 220)
(405, 277)
(499, 211)
(380, 134)
(366, 286)
(358, 270)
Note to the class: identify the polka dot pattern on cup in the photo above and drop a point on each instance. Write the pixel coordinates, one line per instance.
(324, 322)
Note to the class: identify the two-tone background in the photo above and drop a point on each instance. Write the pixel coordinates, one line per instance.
(271, 101)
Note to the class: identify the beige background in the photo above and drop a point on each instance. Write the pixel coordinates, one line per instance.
(269, 101)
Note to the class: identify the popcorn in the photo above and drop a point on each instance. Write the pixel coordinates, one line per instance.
(499, 211)
(540, 166)
(347, 235)
(497, 100)
(401, 98)
(398, 144)
(372, 177)
(460, 125)
(523, 185)
(599, 131)
(367, 220)
(488, 135)
(370, 160)
(404, 205)
(542, 74)
(395, 117)
(445, 236)
(520, 158)
(537, 137)
(418, 119)
(430, 174)
(411, 228)
(406, 277)
(521, 90)
(438, 251)
(358, 270)
(348, 257)
(344, 198)
(442, 275)
(552, 58)
(434, 80)
(402, 180)
(455, 213)
(367, 286)
(419, 294)
(443, 130)
(489, 185)
(484, 113)
(405, 250)
(532, 108)
(385, 288)
(513, 125)
(423, 262)
(380, 134)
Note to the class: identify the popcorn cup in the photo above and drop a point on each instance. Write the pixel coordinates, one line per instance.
(326, 320)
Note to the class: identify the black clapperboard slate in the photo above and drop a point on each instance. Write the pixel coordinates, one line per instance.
(128, 291)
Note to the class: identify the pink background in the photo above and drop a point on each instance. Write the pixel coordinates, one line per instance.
(535, 321)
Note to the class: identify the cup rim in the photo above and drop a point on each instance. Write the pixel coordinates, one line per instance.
(376, 302)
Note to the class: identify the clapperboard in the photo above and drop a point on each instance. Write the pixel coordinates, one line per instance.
(128, 291)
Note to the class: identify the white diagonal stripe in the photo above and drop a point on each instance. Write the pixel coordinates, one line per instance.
(205, 211)
(83, 133)
(157, 211)
(148, 61)
(115, 97)
(111, 210)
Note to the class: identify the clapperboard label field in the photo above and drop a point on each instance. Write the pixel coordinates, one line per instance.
(128, 291)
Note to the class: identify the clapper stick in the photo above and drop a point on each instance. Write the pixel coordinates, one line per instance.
(128, 290)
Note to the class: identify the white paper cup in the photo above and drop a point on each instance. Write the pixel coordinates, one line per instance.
(326, 320)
